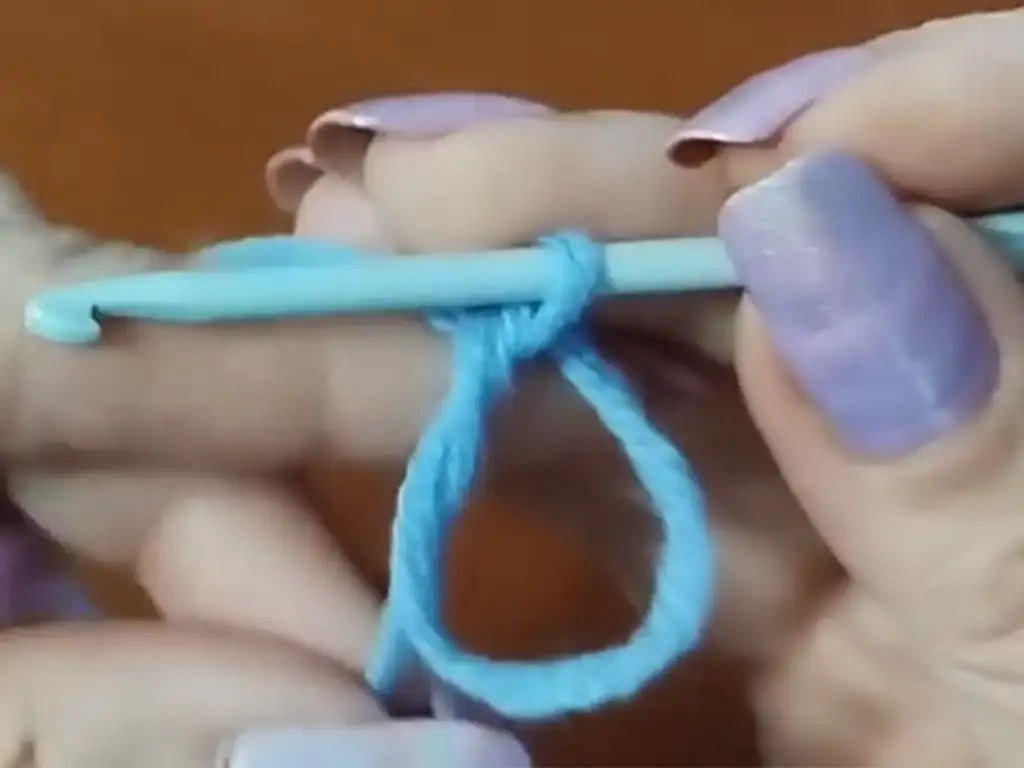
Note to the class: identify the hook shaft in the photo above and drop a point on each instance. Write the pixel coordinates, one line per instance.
(288, 277)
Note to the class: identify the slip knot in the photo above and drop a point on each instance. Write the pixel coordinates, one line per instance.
(509, 335)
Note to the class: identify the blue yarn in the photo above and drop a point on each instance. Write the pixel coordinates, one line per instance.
(488, 344)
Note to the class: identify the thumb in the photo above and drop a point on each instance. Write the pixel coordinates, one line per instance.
(881, 359)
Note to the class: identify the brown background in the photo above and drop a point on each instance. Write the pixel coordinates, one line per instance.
(151, 119)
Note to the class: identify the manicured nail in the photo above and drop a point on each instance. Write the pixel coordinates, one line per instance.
(426, 115)
(872, 320)
(289, 175)
(408, 743)
(760, 107)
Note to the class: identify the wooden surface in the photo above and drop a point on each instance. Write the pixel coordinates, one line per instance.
(151, 119)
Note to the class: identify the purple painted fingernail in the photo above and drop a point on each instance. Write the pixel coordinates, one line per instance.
(872, 320)
(407, 743)
(425, 115)
(338, 138)
(758, 108)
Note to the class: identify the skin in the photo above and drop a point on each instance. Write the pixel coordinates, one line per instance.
(878, 669)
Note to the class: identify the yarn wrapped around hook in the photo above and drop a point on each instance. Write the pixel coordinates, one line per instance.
(488, 344)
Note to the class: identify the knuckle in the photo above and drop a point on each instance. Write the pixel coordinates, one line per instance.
(485, 186)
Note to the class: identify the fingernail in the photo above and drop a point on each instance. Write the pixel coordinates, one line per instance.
(872, 320)
(289, 175)
(424, 115)
(408, 743)
(760, 107)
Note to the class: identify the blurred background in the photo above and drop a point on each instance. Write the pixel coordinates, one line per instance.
(151, 120)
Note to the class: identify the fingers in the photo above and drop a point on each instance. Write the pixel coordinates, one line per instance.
(446, 173)
(881, 359)
(502, 183)
(931, 108)
(232, 553)
(336, 140)
(939, 93)
(254, 397)
(505, 183)
(499, 182)
(474, 172)
(264, 396)
(122, 695)
(259, 397)
(463, 172)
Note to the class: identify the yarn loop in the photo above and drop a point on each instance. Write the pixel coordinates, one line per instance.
(488, 344)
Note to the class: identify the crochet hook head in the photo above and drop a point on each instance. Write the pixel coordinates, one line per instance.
(63, 318)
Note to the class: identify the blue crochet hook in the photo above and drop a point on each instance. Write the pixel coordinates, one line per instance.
(289, 277)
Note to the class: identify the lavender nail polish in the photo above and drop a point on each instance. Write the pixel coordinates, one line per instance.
(761, 106)
(408, 743)
(431, 114)
(871, 319)
(339, 137)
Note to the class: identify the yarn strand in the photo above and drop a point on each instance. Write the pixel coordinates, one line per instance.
(488, 344)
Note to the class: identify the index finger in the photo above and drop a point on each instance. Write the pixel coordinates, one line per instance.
(253, 396)
(509, 182)
(266, 396)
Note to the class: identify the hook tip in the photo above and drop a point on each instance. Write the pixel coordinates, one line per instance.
(62, 324)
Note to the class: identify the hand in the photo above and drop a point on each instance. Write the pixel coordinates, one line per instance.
(879, 352)
(266, 412)
(162, 450)
(257, 401)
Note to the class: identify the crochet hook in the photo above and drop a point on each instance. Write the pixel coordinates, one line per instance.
(289, 277)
